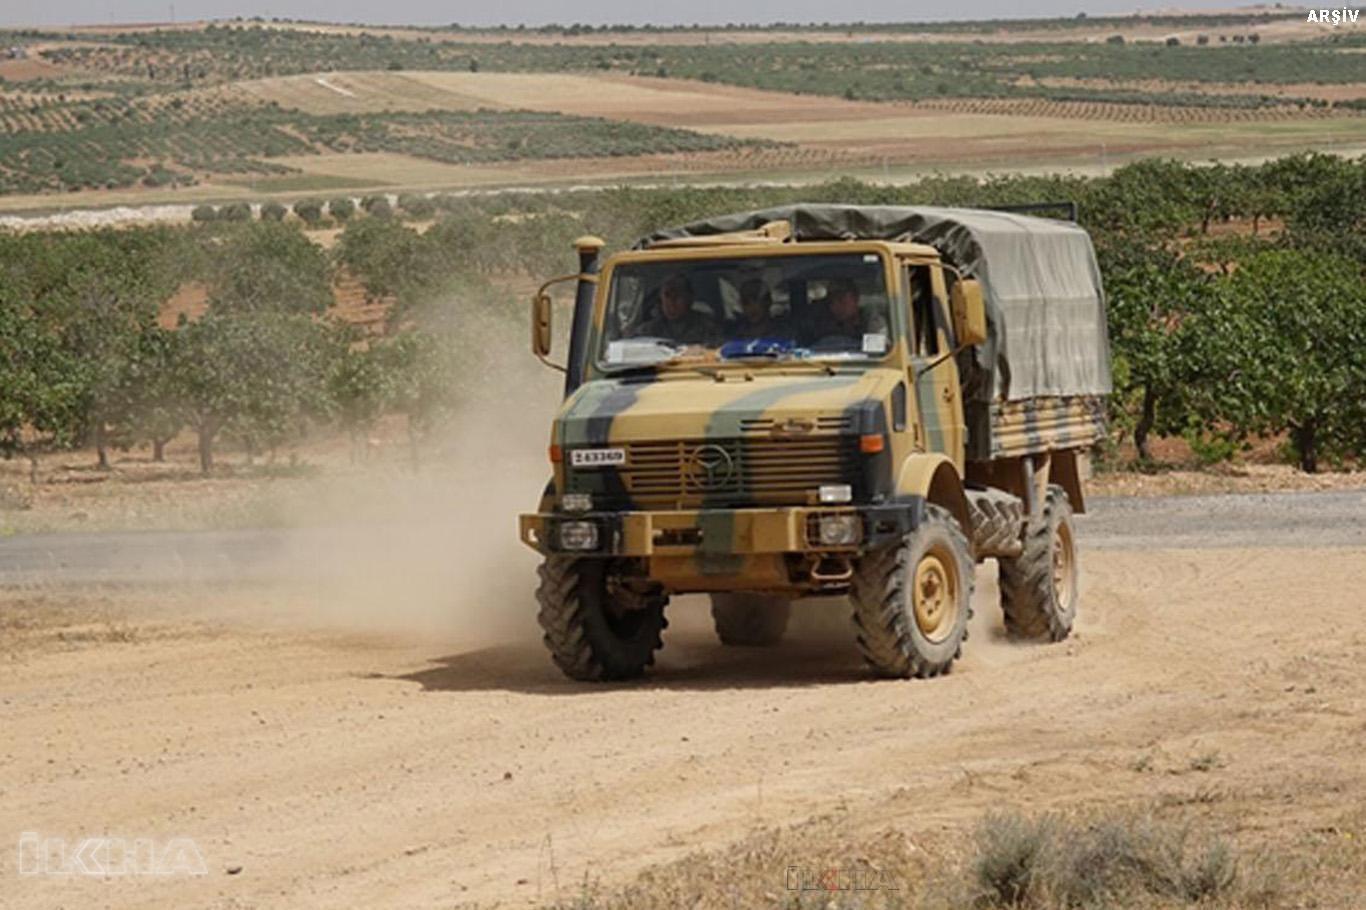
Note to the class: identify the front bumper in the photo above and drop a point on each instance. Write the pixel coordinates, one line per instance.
(738, 532)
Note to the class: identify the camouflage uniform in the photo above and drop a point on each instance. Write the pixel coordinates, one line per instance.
(824, 326)
(690, 328)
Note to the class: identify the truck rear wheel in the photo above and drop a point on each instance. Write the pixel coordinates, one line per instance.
(912, 601)
(1039, 587)
(750, 620)
(595, 627)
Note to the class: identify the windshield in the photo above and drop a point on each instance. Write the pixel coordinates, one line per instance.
(798, 306)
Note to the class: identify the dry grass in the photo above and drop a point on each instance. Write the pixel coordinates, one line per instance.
(1117, 858)
(822, 863)
(1114, 859)
(1126, 858)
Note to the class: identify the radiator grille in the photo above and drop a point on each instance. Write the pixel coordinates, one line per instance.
(687, 473)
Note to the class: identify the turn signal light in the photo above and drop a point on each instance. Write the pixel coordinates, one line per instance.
(556, 454)
(871, 443)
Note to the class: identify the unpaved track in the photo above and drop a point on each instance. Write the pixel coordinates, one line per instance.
(357, 770)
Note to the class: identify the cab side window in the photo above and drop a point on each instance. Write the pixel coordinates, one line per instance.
(924, 314)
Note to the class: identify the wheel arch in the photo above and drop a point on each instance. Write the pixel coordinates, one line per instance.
(934, 478)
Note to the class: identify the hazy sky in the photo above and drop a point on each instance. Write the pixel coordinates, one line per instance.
(534, 12)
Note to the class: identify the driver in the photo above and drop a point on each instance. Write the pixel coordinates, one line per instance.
(756, 312)
(677, 320)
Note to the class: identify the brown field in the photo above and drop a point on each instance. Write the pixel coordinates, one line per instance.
(825, 136)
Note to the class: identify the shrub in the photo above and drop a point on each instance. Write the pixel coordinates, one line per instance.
(341, 208)
(235, 211)
(1105, 860)
(204, 213)
(310, 211)
(273, 211)
(417, 206)
(377, 206)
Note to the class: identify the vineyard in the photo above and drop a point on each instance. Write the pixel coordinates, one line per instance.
(158, 149)
(1237, 306)
(1134, 111)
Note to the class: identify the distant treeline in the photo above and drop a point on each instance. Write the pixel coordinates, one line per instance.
(945, 26)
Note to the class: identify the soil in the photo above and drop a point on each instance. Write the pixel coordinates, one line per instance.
(329, 750)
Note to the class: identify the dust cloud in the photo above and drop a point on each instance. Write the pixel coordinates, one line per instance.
(435, 550)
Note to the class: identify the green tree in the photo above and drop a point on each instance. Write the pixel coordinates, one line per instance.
(267, 267)
(360, 387)
(1304, 347)
(384, 255)
(1151, 294)
(258, 376)
(377, 206)
(310, 211)
(341, 208)
(235, 211)
(421, 373)
(41, 404)
(147, 406)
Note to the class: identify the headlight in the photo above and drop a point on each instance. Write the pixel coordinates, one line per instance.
(578, 535)
(839, 530)
(576, 502)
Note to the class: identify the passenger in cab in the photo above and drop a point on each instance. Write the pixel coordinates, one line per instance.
(678, 320)
(840, 322)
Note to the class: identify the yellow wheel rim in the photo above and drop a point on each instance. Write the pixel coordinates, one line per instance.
(1064, 567)
(934, 594)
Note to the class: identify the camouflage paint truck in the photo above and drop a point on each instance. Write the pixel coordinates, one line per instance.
(821, 400)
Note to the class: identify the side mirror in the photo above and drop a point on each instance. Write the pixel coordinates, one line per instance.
(540, 325)
(969, 312)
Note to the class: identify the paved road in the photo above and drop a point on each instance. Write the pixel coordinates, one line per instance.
(1186, 522)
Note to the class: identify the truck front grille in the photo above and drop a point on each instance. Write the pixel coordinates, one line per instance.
(689, 473)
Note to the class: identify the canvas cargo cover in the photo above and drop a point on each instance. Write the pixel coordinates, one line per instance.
(1045, 304)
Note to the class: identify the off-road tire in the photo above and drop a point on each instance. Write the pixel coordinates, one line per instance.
(1037, 603)
(893, 642)
(596, 631)
(750, 620)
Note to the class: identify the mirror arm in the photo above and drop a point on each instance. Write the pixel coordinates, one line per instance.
(940, 359)
(577, 276)
(550, 363)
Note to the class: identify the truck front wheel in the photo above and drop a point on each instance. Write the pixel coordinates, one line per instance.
(596, 627)
(750, 619)
(1039, 587)
(912, 601)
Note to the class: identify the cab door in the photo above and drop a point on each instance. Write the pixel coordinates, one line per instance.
(933, 374)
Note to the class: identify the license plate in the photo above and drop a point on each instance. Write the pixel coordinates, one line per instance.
(596, 458)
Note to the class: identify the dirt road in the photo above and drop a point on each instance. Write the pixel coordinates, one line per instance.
(1217, 664)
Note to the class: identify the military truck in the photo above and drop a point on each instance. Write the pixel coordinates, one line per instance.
(821, 400)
